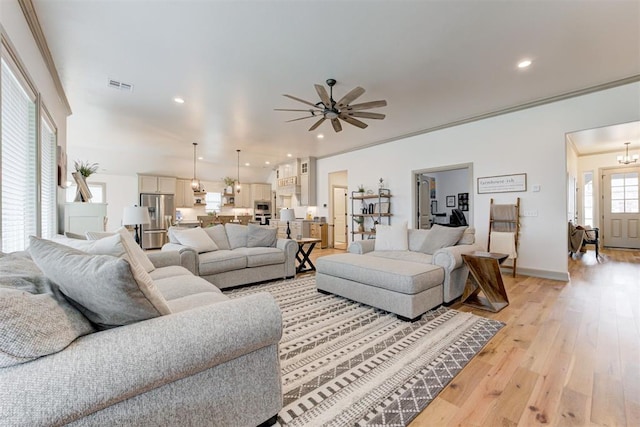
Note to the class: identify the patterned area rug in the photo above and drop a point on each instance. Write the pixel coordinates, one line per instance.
(347, 364)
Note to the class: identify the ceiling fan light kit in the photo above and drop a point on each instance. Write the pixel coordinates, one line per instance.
(328, 109)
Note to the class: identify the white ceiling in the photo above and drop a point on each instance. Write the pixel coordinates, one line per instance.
(435, 62)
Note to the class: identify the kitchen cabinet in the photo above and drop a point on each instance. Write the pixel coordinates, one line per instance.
(82, 217)
(318, 230)
(243, 199)
(308, 182)
(184, 194)
(156, 184)
(299, 227)
(260, 192)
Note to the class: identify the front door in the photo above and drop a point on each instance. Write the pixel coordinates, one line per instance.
(621, 212)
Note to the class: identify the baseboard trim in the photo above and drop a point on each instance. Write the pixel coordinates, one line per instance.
(543, 274)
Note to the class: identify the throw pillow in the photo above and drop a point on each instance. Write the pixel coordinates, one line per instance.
(134, 251)
(468, 237)
(74, 235)
(33, 326)
(260, 236)
(107, 246)
(195, 238)
(237, 235)
(441, 237)
(219, 236)
(391, 237)
(97, 235)
(104, 288)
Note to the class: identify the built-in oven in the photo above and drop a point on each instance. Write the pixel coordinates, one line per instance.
(262, 211)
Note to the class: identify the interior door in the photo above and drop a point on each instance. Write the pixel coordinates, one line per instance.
(621, 212)
(339, 216)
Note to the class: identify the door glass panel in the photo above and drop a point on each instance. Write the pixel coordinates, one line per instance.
(624, 193)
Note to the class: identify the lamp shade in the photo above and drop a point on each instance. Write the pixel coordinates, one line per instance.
(287, 214)
(135, 215)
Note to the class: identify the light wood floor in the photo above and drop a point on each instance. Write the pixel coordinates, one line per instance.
(569, 354)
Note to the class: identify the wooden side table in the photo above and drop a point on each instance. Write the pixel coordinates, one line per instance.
(485, 276)
(304, 263)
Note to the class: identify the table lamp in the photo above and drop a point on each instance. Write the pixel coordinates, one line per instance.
(287, 215)
(136, 216)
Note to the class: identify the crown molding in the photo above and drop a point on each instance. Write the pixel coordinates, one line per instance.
(34, 25)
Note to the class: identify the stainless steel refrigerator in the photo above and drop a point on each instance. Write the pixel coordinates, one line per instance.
(161, 210)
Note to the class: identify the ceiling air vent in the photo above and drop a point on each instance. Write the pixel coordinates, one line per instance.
(114, 84)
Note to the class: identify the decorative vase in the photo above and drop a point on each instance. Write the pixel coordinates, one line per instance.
(361, 228)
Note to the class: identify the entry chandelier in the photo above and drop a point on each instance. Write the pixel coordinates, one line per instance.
(626, 159)
(238, 187)
(195, 182)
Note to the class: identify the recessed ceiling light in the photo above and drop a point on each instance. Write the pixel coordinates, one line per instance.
(247, 164)
(289, 155)
(524, 63)
(200, 158)
(178, 100)
(320, 136)
(267, 162)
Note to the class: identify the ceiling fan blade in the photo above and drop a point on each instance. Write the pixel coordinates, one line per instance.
(350, 97)
(336, 125)
(301, 100)
(316, 124)
(366, 105)
(301, 118)
(353, 121)
(324, 96)
(306, 111)
(366, 115)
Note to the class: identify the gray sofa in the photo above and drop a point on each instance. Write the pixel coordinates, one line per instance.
(406, 282)
(211, 361)
(235, 254)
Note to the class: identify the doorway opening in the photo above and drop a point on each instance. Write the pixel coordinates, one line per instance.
(443, 195)
(338, 209)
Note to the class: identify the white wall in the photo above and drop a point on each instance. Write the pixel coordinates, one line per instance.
(122, 190)
(531, 141)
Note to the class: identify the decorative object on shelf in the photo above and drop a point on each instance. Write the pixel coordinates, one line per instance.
(329, 109)
(463, 201)
(137, 216)
(288, 215)
(361, 188)
(83, 171)
(229, 182)
(238, 186)
(451, 201)
(195, 182)
(381, 183)
(370, 208)
(626, 159)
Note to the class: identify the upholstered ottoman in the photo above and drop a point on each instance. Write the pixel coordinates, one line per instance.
(408, 289)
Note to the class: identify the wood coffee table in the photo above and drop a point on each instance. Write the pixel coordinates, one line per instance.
(485, 276)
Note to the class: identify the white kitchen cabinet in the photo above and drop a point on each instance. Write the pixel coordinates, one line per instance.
(184, 194)
(156, 184)
(260, 192)
(82, 217)
(243, 199)
(298, 227)
(308, 182)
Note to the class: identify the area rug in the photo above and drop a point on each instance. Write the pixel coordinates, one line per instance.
(348, 364)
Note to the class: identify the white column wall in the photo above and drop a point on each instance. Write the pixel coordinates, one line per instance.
(531, 141)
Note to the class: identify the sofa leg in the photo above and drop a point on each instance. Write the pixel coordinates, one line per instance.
(406, 319)
(271, 421)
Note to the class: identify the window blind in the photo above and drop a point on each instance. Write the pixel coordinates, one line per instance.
(19, 177)
(48, 178)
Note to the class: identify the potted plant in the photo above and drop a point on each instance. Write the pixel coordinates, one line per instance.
(85, 168)
(361, 188)
(83, 171)
(228, 181)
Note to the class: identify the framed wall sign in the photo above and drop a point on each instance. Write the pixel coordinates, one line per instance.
(502, 183)
(451, 201)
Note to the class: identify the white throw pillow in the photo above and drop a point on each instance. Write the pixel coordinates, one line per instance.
(441, 237)
(392, 237)
(195, 238)
(134, 250)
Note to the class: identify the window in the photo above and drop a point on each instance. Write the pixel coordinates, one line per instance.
(48, 177)
(19, 146)
(624, 193)
(588, 199)
(213, 201)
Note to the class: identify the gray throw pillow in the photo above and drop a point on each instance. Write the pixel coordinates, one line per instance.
(103, 287)
(219, 236)
(441, 237)
(237, 235)
(33, 326)
(260, 236)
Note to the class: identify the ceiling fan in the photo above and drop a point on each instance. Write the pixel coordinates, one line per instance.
(328, 109)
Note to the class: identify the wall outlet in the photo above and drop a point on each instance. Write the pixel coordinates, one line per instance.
(530, 212)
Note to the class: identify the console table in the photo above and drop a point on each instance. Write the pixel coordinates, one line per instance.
(485, 276)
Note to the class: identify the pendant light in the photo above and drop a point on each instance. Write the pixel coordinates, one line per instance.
(626, 159)
(195, 183)
(238, 186)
